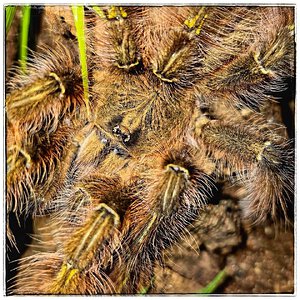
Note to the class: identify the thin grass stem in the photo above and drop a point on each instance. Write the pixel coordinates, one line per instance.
(215, 283)
(9, 17)
(78, 13)
(25, 21)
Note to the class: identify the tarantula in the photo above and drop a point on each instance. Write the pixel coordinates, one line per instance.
(176, 101)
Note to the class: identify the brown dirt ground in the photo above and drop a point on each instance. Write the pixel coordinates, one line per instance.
(262, 263)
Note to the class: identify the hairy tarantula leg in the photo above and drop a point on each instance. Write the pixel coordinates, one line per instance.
(82, 247)
(266, 158)
(40, 110)
(126, 56)
(245, 72)
(18, 160)
(39, 99)
(78, 265)
(178, 63)
(177, 188)
(31, 167)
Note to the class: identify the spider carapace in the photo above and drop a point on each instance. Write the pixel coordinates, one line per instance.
(175, 102)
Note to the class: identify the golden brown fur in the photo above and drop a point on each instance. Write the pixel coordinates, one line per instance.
(169, 88)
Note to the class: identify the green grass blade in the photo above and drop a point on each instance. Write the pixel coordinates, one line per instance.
(25, 21)
(78, 13)
(214, 284)
(99, 11)
(144, 290)
(9, 16)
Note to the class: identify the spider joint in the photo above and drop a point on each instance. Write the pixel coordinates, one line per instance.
(178, 169)
(127, 67)
(61, 85)
(269, 153)
(261, 68)
(161, 77)
(102, 207)
(259, 149)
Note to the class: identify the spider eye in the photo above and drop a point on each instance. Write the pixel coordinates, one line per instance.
(120, 152)
(116, 130)
(122, 132)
